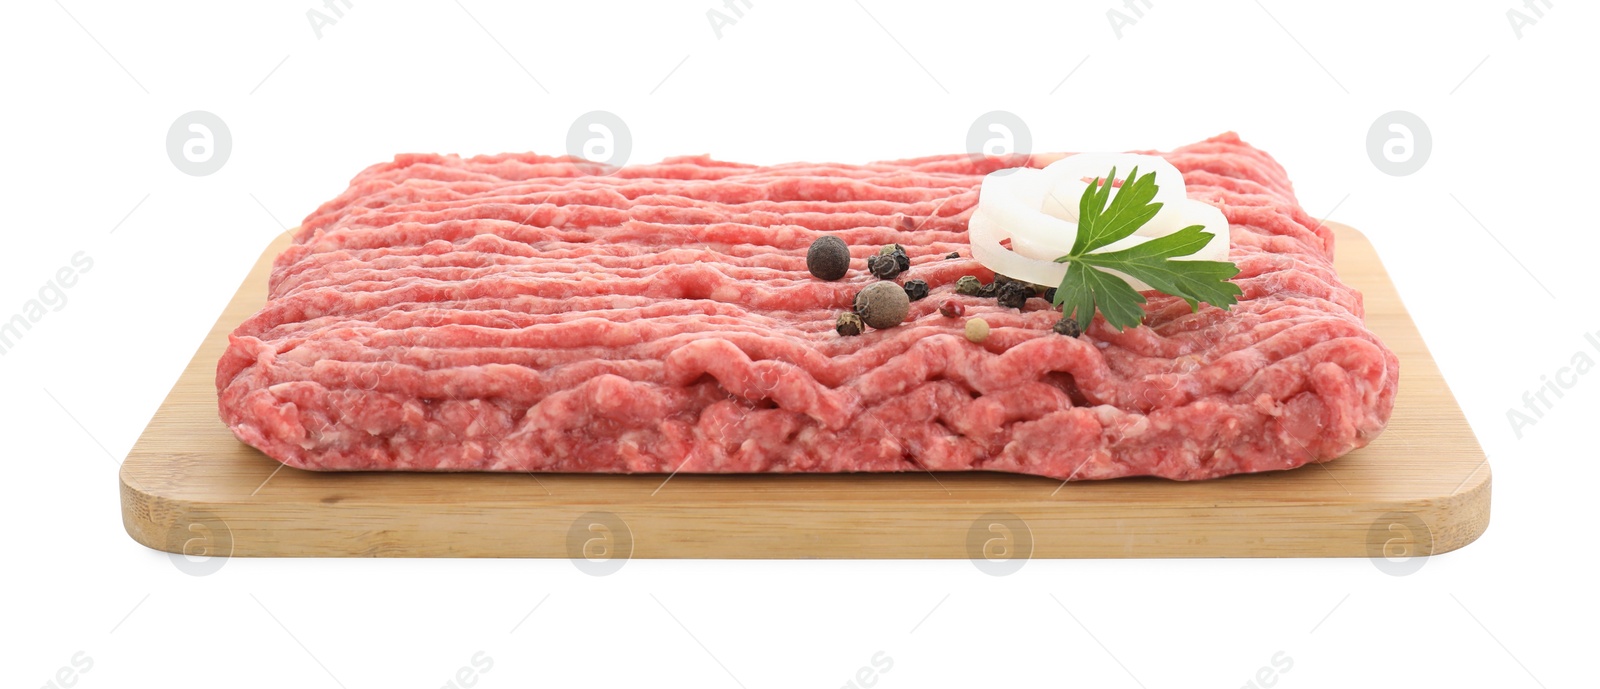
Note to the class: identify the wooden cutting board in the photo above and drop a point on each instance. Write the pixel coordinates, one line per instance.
(1420, 488)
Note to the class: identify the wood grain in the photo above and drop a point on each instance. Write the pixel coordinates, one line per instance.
(1421, 488)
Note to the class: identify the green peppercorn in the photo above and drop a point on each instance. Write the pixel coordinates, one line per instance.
(916, 289)
(1013, 295)
(849, 324)
(890, 249)
(1067, 326)
(828, 258)
(968, 285)
(883, 305)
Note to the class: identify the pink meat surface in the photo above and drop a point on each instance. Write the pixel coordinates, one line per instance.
(530, 313)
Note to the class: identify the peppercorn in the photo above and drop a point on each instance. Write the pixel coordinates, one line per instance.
(977, 330)
(1067, 326)
(828, 258)
(1002, 279)
(898, 253)
(883, 267)
(849, 324)
(916, 289)
(968, 285)
(951, 308)
(987, 291)
(1050, 295)
(883, 305)
(1013, 295)
(954, 254)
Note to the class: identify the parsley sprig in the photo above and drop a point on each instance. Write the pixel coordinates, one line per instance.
(1103, 219)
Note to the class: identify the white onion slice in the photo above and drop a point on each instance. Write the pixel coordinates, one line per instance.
(1037, 209)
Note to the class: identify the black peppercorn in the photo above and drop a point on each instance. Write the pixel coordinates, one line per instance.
(1067, 326)
(916, 289)
(1013, 294)
(849, 324)
(987, 291)
(954, 254)
(883, 267)
(899, 254)
(968, 285)
(1050, 295)
(828, 258)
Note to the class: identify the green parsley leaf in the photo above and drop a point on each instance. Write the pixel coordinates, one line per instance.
(1094, 280)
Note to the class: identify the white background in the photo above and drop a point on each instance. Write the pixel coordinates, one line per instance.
(90, 89)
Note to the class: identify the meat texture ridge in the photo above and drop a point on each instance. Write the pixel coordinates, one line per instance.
(521, 312)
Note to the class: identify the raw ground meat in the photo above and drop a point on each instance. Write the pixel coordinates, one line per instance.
(529, 313)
